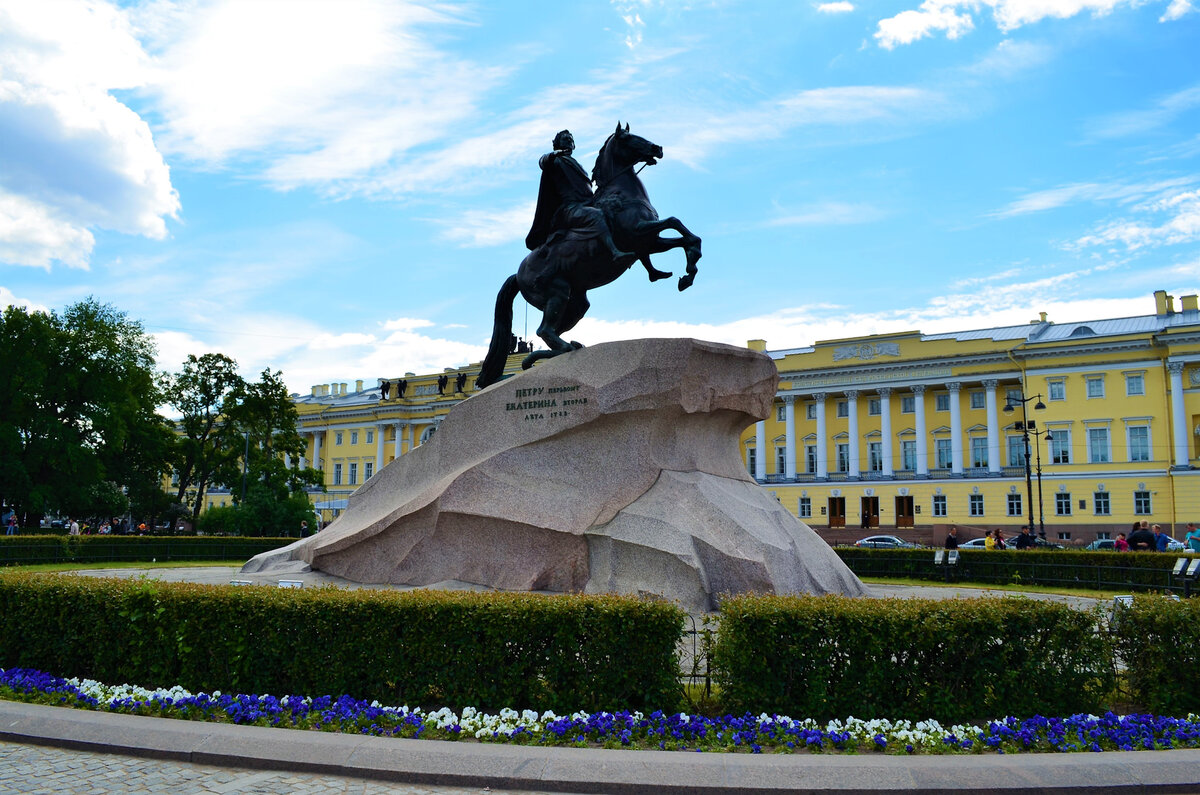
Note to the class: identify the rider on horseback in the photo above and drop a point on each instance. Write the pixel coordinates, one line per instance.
(563, 203)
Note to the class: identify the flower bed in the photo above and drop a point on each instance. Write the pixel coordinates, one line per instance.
(678, 731)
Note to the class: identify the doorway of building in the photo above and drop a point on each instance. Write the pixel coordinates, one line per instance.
(870, 512)
(837, 511)
(904, 512)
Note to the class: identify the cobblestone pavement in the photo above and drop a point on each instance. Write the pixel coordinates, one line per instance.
(35, 769)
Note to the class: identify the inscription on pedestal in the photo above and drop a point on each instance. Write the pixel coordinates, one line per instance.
(546, 402)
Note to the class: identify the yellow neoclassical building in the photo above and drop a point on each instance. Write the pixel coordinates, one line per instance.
(905, 432)
(1082, 428)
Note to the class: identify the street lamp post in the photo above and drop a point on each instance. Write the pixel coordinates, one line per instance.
(1038, 456)
(1023, 425)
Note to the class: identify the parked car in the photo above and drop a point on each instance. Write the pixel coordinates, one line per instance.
(974, 543)
(1102, 543)
(885, 542)
(1041, 543)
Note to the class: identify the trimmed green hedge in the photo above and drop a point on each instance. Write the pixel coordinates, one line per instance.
(23, 550)
(427, 648)
(1061, 567)
(1158, 640)
(952, 660)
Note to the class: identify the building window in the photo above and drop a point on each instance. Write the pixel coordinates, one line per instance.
(1104, 534)
(353, 474)
(1139, 442)
(1141, 503)
(875, 456)
(843, 408)
(751, 460)
(805, 507)
(1064, 536)
(337, 437)
(1135, 384)
(1012, 397)
(353, 437)
(908, 455)
(370, 437)
(780, 415)
(1056, 390)
(337, 474)
(1095, 386)
(1062, 503)
(810, 411)
(939, 505)
(908, 404)
(942, 449)
(1014, 505)
(368, 470)
(1060, 447)
(975, 504)
(941, 401)
(1098, 452)
(978, 400)
(780, 460)
(1016, 451)
(810, 459)
(1101, 503)
(979, 451)
(874, 407)
(843, 457)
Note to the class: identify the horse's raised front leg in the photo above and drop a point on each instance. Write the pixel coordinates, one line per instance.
(689, 242)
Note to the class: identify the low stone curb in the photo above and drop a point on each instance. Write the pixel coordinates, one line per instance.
(469, 764)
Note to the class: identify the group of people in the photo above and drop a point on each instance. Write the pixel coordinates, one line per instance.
(1142, 538)
(995, 539)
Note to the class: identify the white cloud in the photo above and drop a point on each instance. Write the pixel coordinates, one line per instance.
(956, 17)
(1175, 10)
(842, 7)
(74, 158)
(908, 26)
(844, 105)
(1181, 225)
(1063, 195)
(490, 227)
(1138, 122)
(8, 298)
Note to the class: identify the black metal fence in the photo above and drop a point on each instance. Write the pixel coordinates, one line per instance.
(29, 550)
(1106, 571)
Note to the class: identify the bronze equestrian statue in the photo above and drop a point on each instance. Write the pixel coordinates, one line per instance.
(580, 241)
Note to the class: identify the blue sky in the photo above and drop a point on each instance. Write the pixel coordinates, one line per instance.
(338, 189)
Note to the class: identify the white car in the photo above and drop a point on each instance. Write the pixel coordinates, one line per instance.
(885, 542)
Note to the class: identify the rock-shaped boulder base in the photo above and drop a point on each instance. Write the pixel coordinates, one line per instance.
(615, 468)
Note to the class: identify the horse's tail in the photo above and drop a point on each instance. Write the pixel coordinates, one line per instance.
(497, 355)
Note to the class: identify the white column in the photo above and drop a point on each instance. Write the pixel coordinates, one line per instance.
(304, 455)
(760, 448)
(1178, 417)
(993, 425)
(379, 447)
(399, 441)
(852, 430)
(956, 452)
(885, 429)
(922, 441)
(789, 424)
(822, 438)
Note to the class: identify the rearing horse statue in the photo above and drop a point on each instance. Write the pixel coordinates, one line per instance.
(556, 276)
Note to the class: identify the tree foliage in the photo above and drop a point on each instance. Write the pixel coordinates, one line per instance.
(208, 452)
(78, 429)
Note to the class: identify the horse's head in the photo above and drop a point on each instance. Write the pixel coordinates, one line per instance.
(621, 151)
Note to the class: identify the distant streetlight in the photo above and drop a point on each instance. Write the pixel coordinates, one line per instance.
(1023, 425)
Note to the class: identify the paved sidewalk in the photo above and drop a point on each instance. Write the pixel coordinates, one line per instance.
(306, 759)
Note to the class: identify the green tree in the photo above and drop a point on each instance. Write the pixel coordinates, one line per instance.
(207, 453)
(78, 410)
(275, 499)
